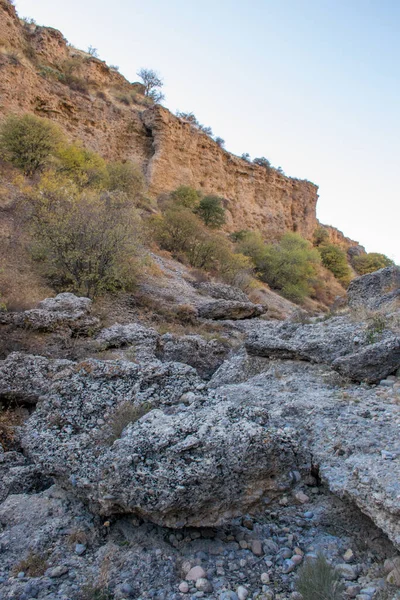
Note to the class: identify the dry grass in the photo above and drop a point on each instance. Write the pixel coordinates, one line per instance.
(123, 415)
(34, 565)
(9, 420)
(319, 580)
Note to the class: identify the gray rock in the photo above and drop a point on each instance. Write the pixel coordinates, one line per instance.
(230, 309)
(222, 291)
(65, 311)
(377, 290)
(143, 339)
(205, 356)
(317, 342)
(372, 363)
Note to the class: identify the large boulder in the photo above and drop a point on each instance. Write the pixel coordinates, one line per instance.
(64, 312)
(204, 355)
(376, 291)
(319, 342)
(221, 291)
(142, 340)
(24, 378)
(230, 309)
(372, 363)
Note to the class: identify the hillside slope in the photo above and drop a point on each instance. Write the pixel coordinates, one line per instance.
(42, 74)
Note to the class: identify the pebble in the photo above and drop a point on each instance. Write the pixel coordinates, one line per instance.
(297, 559)
(57, 571)
(347, 571)
(302, 497)
(353, 590)
(184, 587)
(203, 585)
(242, 592)
(228, 595)
(308, 514)
(80, 549)
(348, 556)
(264, 578)
(256, 548)
(196, 573)
(288, 566)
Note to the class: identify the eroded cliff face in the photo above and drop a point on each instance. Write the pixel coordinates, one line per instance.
(255, 197)
(171, 152)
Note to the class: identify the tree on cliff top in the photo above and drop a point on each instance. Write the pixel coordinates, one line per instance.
(152, 84)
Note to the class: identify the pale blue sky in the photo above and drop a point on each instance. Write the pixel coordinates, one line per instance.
(312, 85)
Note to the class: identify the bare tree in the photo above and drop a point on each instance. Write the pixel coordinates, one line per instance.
(152, 84)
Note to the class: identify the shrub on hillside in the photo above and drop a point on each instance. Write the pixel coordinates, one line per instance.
(320, 236)
(334, 259)
(262, 162)
(373, 261)
(211, 211)
(181, 232)
(27, 142)
(126, 177)
(288, 266)
(85, 167)
(185, 196)
(85, 242)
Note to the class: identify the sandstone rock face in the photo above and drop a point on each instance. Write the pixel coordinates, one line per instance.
(255, 198)
(377, 290)
(170, 151)
(230, 309)
(65, 311)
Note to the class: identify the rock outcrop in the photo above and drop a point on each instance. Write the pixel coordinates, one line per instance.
(64, 312)
(170, 150)
(376, 291)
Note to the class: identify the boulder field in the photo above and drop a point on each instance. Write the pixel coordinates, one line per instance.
(256, 445)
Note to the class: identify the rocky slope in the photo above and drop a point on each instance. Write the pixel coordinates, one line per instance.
(185, 466)
(41, 74)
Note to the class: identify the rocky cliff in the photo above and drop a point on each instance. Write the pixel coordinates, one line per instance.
(42, 74)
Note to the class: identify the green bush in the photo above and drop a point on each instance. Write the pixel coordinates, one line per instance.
(84, 242)
(27, 142)
(181, 232)
(334, 259)
(289, 266)
(373, 261)
(319, 580)
(85, 167)
(211, 211)
(185, 196)
(126, 177)
(176, 230)
(320, 236)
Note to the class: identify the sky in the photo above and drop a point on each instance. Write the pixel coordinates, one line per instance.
(313, 85)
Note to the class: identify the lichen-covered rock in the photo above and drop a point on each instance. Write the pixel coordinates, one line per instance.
(372, 363)
(64, 312)
(222, 291)
(317, 342)
(204, 355)
(142, 339)
(377, 290)
(200, 465)
(25, 378)
(230, 309)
